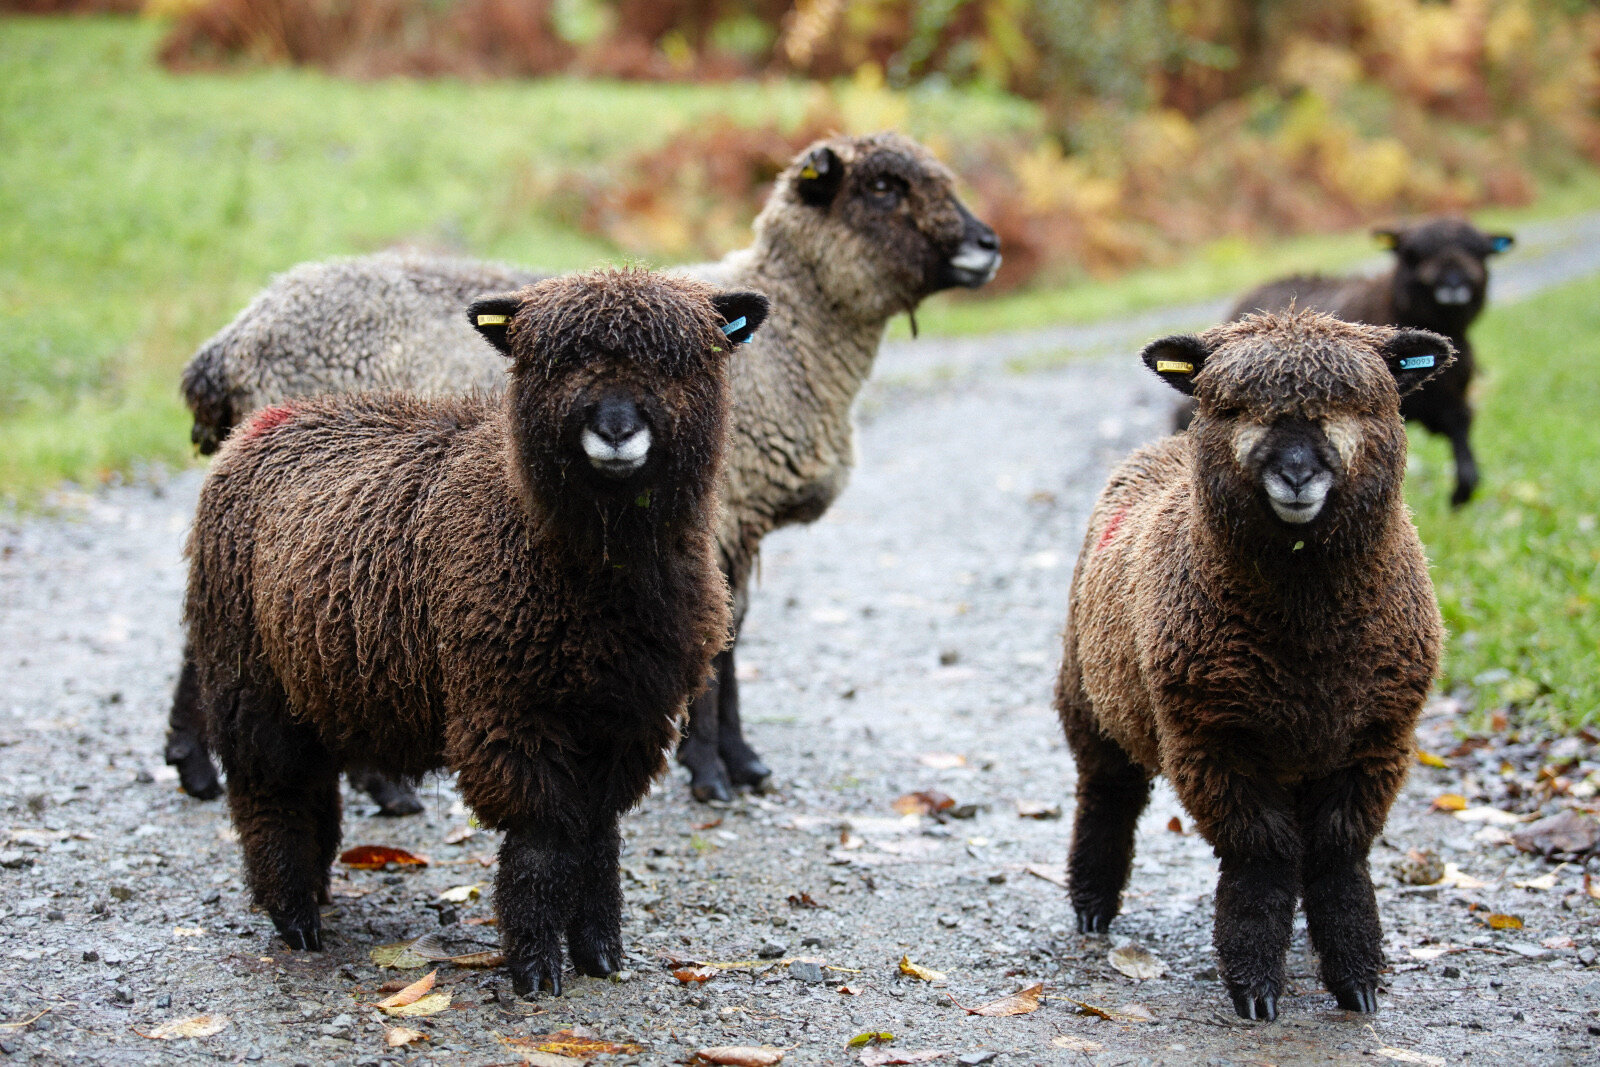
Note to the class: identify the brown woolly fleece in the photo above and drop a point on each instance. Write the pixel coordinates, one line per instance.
(1273, 668)
(411, 584)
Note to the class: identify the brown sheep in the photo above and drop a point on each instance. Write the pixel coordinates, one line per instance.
(1439, 282)
(521, 588)
(857, 230)
(1252, 617)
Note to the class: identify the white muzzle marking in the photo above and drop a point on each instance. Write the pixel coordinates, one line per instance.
(1296, 507)
(976, 261)
(622, 458)
(1453, 295)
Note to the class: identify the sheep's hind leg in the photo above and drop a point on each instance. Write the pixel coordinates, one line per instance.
(186, 736)
(535, 896)
(708, 780)
(284, 797)
(743, 765)
(394, 797)
(594, 933)
(1112, 792)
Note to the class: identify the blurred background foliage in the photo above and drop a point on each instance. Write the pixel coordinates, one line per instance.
(1160, 124)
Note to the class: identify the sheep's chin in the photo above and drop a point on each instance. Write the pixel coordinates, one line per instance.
(1296, 514)
(973, 266)
(617, 460)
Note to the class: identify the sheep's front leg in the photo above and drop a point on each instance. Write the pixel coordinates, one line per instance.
(1251, 826)
(1340, 817)
(743, 765)
(594, 933)
(186, 736)
(535, 897)
(698, 750)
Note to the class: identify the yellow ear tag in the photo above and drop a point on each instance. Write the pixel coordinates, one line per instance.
(808, 172)
(1173, 366)
(493, 320)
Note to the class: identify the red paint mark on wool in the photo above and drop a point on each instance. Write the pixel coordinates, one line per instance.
(1111, 529)
(266, 419)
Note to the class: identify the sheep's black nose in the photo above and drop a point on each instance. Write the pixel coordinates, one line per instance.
(1297, 466)
(616, 420)
(987, 239)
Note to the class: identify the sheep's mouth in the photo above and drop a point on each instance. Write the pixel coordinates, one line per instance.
(972, 266)
(1453, 295)
(1297, 506)
(617, 458)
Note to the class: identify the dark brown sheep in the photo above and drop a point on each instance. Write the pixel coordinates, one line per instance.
(521, 588)
(1252, 617)
(1439, 282)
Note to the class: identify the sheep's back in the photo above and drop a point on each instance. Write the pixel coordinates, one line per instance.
(1351, 299)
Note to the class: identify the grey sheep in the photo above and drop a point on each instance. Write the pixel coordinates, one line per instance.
(856, 230)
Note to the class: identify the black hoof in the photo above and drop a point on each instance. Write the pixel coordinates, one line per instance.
(1250, 1004)
(711, 789)
(599, 965)
(394, 798)
(196, 775)
(301, 936)
(1360, 996)
(1093, 923)
(749, 772)
(528, 979)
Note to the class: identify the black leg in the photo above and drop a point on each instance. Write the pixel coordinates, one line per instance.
(698, 749)
(1255, 917)
(1112, 792)
(594, 933)
(1339, 817)
(186, 736)
(743, 765)
(535, 897)
(394, 797)
(1466, 465)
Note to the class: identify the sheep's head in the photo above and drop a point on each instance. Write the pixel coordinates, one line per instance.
(618, 379)
(879, 222)
(1299, 421)
(1441, 270)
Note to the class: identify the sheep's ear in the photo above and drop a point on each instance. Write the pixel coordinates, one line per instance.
(742, 313)
(1388, 239)
(491, 316)
(1499, 242)
(821, 174)
(1414, 356)
(1177, 359)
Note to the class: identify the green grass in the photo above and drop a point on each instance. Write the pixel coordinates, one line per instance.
(1518, 569)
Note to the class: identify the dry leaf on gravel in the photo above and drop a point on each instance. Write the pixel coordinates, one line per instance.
(741, 1055)
(193, 1026)
(942, 761)
(1127, 1013)
(374, 857)
(1568, 832)
(1558, 942)
(1456, 878)
(1431, 952)
(461, 894)
(575, 1045)
(1449, 802)
(710, 824)
(401, 1036)
(1407, 1056)
(1501, 921)
(1492, 816)
(1428, 759)
(397, 957)
(918, 971)
(432, 1004)
(1033, 809)
(459, 835)
(1136, 962)
(432, 947)
(1591, 887)
(411, 993)
(1053, 875)
(688, 975)
(1021, 1002)
(924, 802)
(1076, 1044)
(850, 990)
(871, 1037)
(1544, 881)
(548, 1059)
(880, 1057)
(804, 900)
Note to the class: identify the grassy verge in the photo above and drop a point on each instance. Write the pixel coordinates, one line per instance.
(1518, 569)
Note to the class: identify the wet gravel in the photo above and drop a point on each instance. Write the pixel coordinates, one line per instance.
(916, 623)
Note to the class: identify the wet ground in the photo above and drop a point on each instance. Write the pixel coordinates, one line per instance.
(906, 642)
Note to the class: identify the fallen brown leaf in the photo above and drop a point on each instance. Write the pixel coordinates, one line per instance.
(374, 857)
(1127, 1013)
(573, 1044)
(850, 990)
(461, 894)
(193, 1026)
(397, 957)
(432, 1004)
(871, 1037)
(741, 1055)
(431, 947)
(1501, 921)
(881, 1057)
(1547, 880)
(1558, 942)
(1591, 887)
(918, 971)
(1136, 962)
(924, 802)
(411, 993)
(686, 975)
(711, 824)
(1021, 1002)
(1033, 809)
(804, 900)
(1076, 1043)
(1428, 759)
(1567, 832)
(459, 835)
(1449, 802)
(400, 1036)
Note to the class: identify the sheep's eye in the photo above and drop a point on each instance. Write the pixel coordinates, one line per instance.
(887, 190)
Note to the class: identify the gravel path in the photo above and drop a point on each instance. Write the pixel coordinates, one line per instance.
(917, 622)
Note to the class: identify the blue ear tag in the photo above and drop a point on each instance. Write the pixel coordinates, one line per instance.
(735, 326)
(1500, 244)
(1416, 362)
